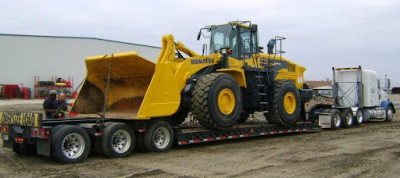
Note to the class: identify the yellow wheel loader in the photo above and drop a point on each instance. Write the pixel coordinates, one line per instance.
(220, 88)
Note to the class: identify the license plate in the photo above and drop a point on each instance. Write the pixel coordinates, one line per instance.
(5, 137)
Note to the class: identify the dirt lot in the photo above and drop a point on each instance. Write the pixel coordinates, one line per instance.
(371, 150)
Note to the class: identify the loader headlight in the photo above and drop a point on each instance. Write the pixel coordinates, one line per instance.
(225, 51)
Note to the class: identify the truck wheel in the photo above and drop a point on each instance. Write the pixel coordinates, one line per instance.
(359, 119)
(285, 104)
(216, 101)
(118, 140)
(335, 119)
(158, 137)
(70, 144)
(347, 118)
(389, 114)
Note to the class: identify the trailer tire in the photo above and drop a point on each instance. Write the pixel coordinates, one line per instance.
(335, 119)
(216, 101)
(158, 137)
(118, 140)
(359, 119)
(284, 104)
(389, 114)
(347, 118)
(70, 144)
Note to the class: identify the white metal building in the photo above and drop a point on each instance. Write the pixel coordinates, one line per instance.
(24, 56)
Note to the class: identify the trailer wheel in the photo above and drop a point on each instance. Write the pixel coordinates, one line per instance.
(158, 137)
(285, 103)
(335, 119)
(347, 118)
(389, 114)
(70, 144)
(359, 119)
(216, 101)
(118, 140)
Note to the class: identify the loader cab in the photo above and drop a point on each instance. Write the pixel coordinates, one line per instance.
(240, 38)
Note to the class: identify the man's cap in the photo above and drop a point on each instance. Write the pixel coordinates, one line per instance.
(53, 92)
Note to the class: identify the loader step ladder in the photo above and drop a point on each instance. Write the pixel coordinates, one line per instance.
(262, 91)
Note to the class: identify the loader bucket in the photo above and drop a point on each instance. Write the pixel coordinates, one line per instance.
(129, 78)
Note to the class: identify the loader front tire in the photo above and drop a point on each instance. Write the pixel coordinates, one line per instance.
(216, 101)
(284, 104)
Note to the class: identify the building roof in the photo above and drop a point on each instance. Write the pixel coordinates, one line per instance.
(72, 37)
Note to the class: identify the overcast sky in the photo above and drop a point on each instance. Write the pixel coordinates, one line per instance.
(321, 34)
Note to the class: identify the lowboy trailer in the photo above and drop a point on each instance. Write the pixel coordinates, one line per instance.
(71, 140)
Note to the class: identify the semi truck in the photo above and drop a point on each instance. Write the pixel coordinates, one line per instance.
(356, 96)
(127, 101)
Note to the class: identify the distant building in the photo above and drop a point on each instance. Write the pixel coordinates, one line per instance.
(315, 84)
(25, 56)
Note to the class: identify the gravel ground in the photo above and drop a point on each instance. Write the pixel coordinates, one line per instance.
(370, 150)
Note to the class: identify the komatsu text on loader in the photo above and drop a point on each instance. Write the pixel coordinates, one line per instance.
(127, 101)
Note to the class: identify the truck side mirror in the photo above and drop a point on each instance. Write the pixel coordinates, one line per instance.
(388, 83)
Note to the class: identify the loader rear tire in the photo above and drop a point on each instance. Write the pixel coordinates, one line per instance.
(284, 104)
(216, 101)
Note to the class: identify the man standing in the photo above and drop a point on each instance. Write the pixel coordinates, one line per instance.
(62, 105)
(50, 105)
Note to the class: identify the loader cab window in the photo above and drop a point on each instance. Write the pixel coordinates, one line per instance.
(247, 42)
(224, 36)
